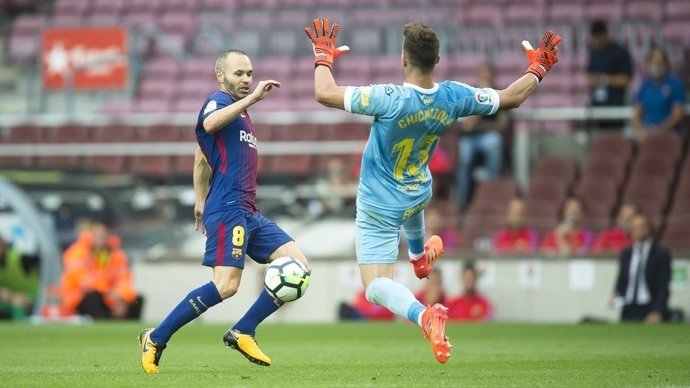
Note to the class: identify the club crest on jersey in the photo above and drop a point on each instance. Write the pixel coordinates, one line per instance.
(483, 98)
(248, 138)
(236, 253)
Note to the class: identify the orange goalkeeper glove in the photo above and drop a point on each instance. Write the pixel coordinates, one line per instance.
(542, 59)
(323, 41)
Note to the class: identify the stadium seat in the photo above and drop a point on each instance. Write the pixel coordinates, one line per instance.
(159, 133)
(297, 132)
(542, 215)
(561, 168)
(113, 164)
(599, 190)
(68, 133)
(566, 12)
(152, 166)
(284, 42)
(677, 10)
(598, 216)
(347, 131)
(595, 9)
(154, 88)
(614, 169)
(662, 145)
(676, 236)
(114, 134)
(113, 7)
(657, 165)
(497, 190)
(547, 189)
(289, 166)
(611, 146)
(71, 7)
(26, 134)
(482, 14)
(646, 188)
(183, 165)
(644, 10)
(165, 68)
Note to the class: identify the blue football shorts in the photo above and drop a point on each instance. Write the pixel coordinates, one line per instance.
(230, 235)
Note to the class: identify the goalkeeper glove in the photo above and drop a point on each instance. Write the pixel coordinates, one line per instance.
(542, 59)
(323, 41)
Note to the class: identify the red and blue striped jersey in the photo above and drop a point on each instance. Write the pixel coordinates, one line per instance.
(232, 154)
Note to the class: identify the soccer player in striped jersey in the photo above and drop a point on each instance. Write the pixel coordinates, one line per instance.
(225, 171)
(395, 182)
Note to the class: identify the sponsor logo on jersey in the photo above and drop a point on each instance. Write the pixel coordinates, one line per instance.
(427, 100)
(210, 107)
(483, 97)
(248, 138)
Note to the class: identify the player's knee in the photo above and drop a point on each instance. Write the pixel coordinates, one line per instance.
(227, 289)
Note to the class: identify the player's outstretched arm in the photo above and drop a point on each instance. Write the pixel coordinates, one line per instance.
(201, 176)
(220, 118)
(540, 62)
(323, 38)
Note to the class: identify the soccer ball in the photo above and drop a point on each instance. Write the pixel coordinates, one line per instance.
(286, 279)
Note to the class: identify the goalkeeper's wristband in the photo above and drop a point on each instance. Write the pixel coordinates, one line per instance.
(537, 70)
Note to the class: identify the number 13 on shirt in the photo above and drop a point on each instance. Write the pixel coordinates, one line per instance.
(404, 149)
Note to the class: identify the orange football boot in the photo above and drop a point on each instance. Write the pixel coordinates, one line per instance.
(434, 328)
(433, 249)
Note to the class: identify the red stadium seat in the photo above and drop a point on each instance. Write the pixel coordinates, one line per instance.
(646, 188)
(611, 146)
(666, 145)
(598, 216)
(560, 168)
(656, 165)
(114, 134)
(499, 190)
(26, 134)
(613, 169)
(297, 166)
(183, 164)
(297, 132)
(111, 164)
(347, 131)
(153, 166)
(69, 133)
(159, 133)
(547, 189)
(644, 10)
(542, 215)
(676, 236)
(593, 189)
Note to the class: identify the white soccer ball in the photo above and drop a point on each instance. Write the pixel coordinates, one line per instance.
(286, 279)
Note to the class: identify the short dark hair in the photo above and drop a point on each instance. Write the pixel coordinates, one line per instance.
(598, 28)
(663, 52)
(224, 54)
(421, 45)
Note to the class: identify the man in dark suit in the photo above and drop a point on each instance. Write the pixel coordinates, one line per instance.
(643, 276)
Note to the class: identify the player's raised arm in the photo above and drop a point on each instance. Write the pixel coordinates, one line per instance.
(221, 117)
(540, 62)
(326, 90)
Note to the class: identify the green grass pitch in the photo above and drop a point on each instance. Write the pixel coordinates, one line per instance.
(352, 355)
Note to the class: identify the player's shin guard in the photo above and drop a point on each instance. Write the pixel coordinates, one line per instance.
(193, 305)
(395, 297)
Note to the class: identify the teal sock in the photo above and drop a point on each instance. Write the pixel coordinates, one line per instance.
(395, 297)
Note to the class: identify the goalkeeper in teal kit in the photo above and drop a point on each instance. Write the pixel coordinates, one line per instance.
(395, 182)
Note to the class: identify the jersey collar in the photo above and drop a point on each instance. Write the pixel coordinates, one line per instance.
(421, 89)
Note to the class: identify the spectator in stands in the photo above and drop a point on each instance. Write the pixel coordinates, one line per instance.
(19, 282)
(432, 292)
(436, 223)
(659, 101)
(470, 305)
(362, 310)
(515, 237)
(618, 237)
(644, 274)
(569, 237)
(96, 280)
(481, 135)
(335, 190)
(609, 72)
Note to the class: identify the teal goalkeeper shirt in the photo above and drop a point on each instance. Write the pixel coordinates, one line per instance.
(408, 121)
